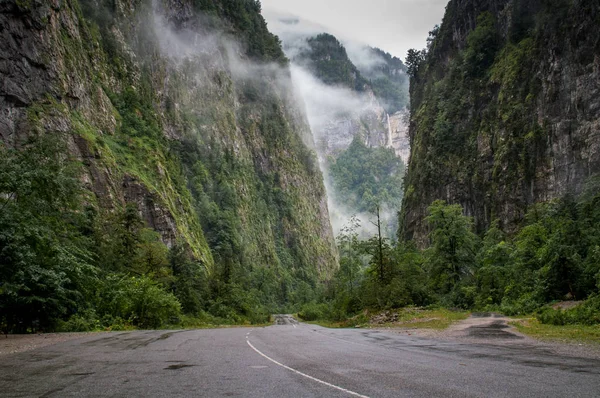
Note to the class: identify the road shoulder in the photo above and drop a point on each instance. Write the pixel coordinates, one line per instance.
(15, 343)
(495, 329)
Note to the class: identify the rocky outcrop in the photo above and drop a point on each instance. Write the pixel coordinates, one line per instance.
(372, 125)
(505, 110)
(334, 131)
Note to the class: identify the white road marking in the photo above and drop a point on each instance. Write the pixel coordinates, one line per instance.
(294, 326)
(305, 375)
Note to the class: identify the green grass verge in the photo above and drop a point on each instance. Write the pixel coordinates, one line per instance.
(405, 318)
(563, 334)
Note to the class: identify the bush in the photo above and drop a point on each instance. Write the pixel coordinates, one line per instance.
(587, 313)
(141, 301)
(88, 321)
(313, 311)
(151, 306)
(84, 322)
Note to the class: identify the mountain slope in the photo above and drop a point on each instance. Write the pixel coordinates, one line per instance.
(180, 113)
(327, 59)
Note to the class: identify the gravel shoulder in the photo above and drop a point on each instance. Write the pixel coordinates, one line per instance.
(13, 343)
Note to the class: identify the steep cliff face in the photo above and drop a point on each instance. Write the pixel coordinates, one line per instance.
(505, 110)
(335, 129)
(182, 109)
(398, 134)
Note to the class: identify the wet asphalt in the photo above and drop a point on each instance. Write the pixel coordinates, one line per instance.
(292, 360)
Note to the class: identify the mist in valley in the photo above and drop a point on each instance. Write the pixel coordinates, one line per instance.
(336, 114)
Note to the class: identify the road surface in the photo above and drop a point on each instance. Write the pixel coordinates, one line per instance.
(291, 360)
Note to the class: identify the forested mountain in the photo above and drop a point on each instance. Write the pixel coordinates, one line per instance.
(326, 58)
(154, 162)
(363, 69)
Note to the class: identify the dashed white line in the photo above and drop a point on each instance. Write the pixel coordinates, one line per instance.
(305, 375)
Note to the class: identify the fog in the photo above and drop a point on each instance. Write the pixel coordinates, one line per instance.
(394, 26)
(321, 104)
(294, 31)
(362, 56)
(324, 103)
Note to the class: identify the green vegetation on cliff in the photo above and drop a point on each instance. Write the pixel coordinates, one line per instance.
(493, 125)
(165, 190)
(327, 59)
(247, 25)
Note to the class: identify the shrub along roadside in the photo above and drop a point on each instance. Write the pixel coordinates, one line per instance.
(586, 313)
(406, 318)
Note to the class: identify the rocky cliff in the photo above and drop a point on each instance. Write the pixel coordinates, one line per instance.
(398, 134)
(505, 110)
(182, 108)
(335, 129)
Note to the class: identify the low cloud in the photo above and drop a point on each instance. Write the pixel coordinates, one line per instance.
(363, 57)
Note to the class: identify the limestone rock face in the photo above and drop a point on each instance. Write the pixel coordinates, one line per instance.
(400, 141)
(372, 125)
(520, 127)
(171, 110)
(335, 130)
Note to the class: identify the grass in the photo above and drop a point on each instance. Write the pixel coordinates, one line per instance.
(563, 334)
(418, 318)
(405, 318)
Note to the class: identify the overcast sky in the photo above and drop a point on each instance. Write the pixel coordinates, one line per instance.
(392, 25)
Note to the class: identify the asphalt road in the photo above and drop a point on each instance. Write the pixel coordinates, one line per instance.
(291, 360)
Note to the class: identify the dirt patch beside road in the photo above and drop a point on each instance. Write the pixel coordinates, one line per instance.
(494, 329)
(481, 328)
(484, 327)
